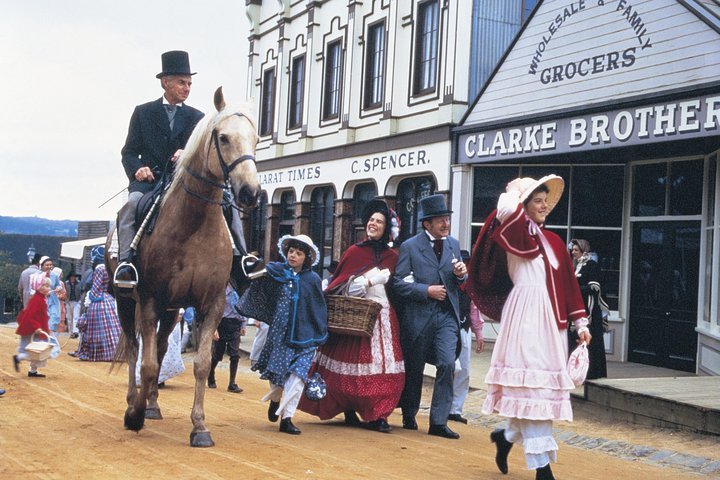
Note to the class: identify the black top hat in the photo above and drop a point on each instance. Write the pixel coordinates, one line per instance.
(175, 62)
(433, 206)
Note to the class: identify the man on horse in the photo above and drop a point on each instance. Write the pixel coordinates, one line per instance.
(157, 134)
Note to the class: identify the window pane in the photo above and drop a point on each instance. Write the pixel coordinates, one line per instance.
(297, 85)
(374, 65)
(707, 272)
(559, 215)
(712, 193)
(322, 208)
(287, 206)
(597, 199)
(686, 186)
(362, 194)
(649, 182)
(268, 99)
(409, 193)
(488, 184)
(258, 219)
(333, 67)
(426, 46)
(606, 244)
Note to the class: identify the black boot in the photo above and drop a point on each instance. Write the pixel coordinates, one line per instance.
(286, 426)
(232, 386)
(503, 449)
(272, 408)
(211, 376)
(544, 473)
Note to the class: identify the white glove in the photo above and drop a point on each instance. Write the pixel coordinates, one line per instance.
(380, 278)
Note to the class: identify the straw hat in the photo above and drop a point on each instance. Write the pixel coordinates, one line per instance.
(304, 239)
(526, 185)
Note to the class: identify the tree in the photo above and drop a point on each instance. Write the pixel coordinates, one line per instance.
(9, 276)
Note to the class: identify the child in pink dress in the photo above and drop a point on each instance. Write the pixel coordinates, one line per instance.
(528, 380)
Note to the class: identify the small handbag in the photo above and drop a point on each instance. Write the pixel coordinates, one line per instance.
(315, 389)
(578, 364)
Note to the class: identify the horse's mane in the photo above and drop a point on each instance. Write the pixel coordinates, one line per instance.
(199, 140)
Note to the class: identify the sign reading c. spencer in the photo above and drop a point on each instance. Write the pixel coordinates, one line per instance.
(691, 118)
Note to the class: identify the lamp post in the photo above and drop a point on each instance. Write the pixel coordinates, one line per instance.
(31, 253)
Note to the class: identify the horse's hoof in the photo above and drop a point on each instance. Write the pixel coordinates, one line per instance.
(153, 414)
(134, 422)
(201, 439)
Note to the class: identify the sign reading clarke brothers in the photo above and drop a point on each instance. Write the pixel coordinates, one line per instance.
(696, 116)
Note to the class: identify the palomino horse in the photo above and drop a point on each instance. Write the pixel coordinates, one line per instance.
(187, 260)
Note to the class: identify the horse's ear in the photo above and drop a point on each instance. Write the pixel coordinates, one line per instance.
(219, 99)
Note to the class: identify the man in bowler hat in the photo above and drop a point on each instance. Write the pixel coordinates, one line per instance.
(157, 134)
(428, 277)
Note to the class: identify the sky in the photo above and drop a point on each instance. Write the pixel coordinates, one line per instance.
(71, 73)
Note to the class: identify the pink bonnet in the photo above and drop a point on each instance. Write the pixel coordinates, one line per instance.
(36, 280)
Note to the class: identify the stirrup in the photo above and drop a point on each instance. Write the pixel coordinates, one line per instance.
(126, 283)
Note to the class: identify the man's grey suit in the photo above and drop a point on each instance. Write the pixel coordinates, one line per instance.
(429, 329)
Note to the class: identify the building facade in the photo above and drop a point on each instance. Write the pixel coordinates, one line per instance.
(622, 99)
(358, 100)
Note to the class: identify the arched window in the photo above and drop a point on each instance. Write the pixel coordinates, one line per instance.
(322, 213)
(287, 213)
(409, 193)
(258, 220)
(362, 194)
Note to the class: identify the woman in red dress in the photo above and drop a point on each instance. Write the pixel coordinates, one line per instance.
(364, 375)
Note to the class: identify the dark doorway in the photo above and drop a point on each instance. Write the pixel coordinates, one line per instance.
(663, 294)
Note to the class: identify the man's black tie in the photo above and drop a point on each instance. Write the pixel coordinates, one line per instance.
(171, 110)
(438, 248)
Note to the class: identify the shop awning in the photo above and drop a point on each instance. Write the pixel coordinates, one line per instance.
(76, 249)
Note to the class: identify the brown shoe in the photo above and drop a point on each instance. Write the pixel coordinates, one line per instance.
(234, 388)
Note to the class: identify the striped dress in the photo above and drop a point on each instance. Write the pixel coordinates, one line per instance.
(99, 325)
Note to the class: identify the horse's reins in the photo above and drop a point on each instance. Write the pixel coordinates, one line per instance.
(226, 169)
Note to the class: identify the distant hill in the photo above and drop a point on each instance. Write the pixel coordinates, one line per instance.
(39, 226)
(15, 246)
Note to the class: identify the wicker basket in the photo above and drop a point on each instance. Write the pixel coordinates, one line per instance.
(39, 351)
(351, 315)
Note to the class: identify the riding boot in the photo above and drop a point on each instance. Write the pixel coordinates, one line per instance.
(211, 376)
(544, 473)
(502, 449)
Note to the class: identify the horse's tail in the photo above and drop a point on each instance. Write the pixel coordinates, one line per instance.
(128, 337)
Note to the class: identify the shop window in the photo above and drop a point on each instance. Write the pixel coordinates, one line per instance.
(409, 193)
(711, 296)
(374, 66)
(287, 213)
(267, 110)
(685, 187)
(649, 186)
(597, 195)
(333, 81)
(258, 221)
(362, 194)
(488, 184)
(426, 48)
(322, 214)
(297, 88)
(606, 244)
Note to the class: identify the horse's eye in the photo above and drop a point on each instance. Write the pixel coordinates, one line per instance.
(224, 139)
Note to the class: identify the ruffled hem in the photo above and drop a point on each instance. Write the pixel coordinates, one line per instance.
(527, 408)
(523, 377)
(539, 445)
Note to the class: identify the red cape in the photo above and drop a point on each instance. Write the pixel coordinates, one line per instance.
(358, 259)
(34, 316)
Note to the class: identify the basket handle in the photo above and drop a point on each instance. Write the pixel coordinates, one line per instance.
(43, 332)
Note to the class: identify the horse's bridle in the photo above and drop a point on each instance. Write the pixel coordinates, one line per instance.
(226, 169)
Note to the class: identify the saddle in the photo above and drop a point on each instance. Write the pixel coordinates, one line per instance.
(145, 205)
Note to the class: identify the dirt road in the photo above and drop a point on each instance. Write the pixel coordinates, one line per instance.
(69, 425)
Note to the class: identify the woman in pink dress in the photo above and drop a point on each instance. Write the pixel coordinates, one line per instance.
(528, 380)
(364, 375)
